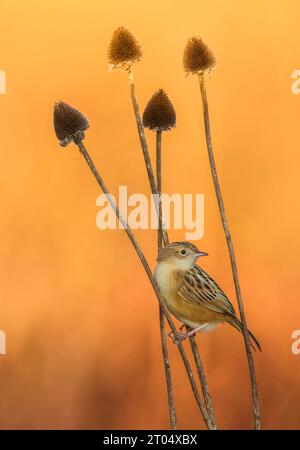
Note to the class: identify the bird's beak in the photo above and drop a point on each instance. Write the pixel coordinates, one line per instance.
(201, 254)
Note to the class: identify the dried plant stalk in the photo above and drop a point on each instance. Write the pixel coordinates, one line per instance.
(168, 374)
(159, 188)
(198, 59)
(162, 327)
(144, 144)
(203, 381)
(64, 119)
(160, 115)
(70, 125)
(125, 50)
(255, 397)
(165, 239)
(149, 273)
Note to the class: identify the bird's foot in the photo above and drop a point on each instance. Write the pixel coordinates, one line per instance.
(178, 337)
(190, 332)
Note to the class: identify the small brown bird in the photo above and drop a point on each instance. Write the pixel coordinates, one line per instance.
(191, 295)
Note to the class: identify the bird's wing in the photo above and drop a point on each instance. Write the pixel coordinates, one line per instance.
(199, 288)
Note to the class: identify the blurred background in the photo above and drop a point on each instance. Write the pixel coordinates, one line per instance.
(83, 347)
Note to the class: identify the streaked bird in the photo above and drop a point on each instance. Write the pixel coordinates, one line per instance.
(191, 295)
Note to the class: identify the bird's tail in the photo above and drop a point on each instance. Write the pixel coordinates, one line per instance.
(236, 323)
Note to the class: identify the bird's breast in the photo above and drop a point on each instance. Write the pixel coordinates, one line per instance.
(165, 276)
(168, 280)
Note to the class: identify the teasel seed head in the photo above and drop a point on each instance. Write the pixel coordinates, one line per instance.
(124, 49)
(69, 124)
(159, 114)
(197, 57)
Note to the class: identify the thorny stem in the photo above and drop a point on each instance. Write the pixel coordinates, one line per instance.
(163, 337)
(255, 397)
(148, 271)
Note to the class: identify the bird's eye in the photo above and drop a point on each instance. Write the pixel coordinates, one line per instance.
(183, 252)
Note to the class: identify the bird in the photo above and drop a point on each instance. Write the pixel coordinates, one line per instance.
(191, 295)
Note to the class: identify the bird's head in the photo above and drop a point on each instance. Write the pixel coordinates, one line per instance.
(182, 255)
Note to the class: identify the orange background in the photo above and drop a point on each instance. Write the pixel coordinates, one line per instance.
(81, 320)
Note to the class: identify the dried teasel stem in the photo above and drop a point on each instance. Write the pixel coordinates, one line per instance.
(255, 397)
(70, 126)
(124, 50)
(159, 115)
(161, 233)
(168, 374)
(163, 337)
(149, 273)
(159, 187)
(144, 144)
(203, 381)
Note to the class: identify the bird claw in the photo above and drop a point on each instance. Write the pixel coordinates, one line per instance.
(180, 337)
(177, 338)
